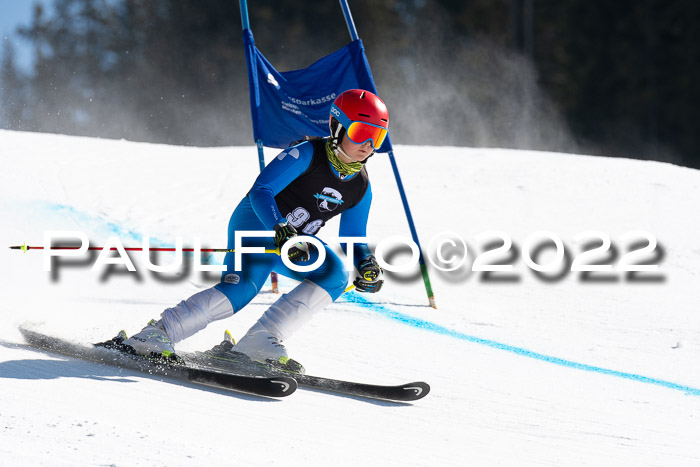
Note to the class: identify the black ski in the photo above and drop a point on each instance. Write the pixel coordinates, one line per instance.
(401, 393)
(263, 385)
(237, 362)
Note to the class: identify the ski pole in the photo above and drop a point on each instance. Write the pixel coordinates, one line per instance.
(26, 248)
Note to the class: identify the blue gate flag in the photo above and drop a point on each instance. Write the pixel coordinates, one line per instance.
(286, 106)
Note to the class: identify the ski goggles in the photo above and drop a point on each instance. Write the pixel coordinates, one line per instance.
(360, 132)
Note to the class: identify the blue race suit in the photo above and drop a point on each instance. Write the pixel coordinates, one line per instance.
(301, 174)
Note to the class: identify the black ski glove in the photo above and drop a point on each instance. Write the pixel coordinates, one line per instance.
(370, 279)
(299, 252)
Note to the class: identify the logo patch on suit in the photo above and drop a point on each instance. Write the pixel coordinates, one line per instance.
(328, 200)
(232, 279)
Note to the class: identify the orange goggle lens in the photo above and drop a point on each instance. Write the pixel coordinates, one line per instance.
(361, 132)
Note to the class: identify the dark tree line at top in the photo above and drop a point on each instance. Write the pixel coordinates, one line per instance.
(612, 78)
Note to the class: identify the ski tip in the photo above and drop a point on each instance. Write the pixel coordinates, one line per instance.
(282, 386)
(416, 390)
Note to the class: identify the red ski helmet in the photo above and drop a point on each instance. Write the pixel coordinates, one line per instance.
(361, 115)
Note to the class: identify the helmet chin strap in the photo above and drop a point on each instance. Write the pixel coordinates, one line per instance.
(336, 134)
(348, 158)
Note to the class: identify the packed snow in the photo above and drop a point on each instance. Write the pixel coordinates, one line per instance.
(558, 367)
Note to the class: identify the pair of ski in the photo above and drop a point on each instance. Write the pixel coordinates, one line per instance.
(210, 370)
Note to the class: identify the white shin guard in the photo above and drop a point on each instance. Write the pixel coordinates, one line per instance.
(292, 310)
(192, 315)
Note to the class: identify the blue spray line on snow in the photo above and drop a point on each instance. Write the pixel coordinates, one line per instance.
(437, 329)
(418, 323)
(100, 226)
(97, 225)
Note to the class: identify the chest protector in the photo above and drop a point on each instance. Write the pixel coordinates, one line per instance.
(320, 193)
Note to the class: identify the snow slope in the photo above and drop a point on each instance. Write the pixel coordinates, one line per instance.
(561, 368)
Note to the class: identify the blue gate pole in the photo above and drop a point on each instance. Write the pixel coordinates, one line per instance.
(423, 267)
(245, 23)
(244, 14)
(348, 20)
(414, 232)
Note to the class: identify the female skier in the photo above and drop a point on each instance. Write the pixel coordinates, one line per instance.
(296, 193)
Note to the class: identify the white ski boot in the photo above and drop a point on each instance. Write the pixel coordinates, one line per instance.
(152, 341)
(263, 342)
(261, 346)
